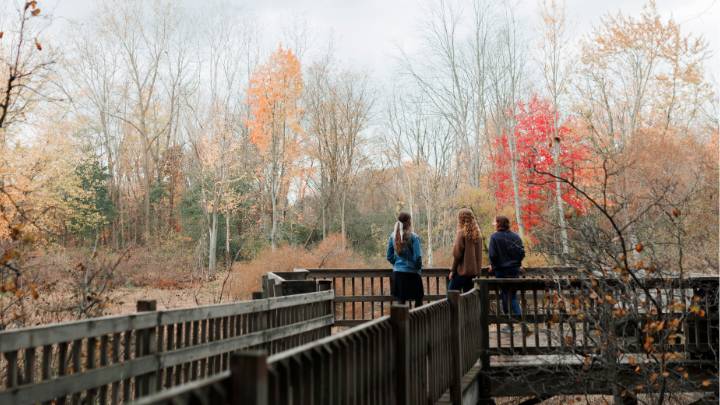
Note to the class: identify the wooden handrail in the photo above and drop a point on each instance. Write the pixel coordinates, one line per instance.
(119, 356)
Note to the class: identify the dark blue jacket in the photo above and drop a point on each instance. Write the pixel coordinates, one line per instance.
(506, 251)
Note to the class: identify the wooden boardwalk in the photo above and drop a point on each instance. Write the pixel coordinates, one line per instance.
(451, 350)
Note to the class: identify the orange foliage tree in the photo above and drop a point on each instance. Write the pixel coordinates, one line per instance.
(274, 123)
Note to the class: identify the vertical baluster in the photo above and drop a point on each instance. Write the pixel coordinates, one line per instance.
(536, 322)
(195, 342)
(353, 299)
(169, 346)
(188, 328)
(104, 348)
(382, 294)
(523, 324)
(179, 333)
(76, 362)
(547, 301)
(211, 338)
(227, 330)
(12, 379)
(45, 372)
(91, 347)
(29, 365)
(127, 350)
(498, 311)
(115, 387)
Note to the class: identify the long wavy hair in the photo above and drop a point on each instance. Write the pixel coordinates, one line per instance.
(468, 225)
(403, 227)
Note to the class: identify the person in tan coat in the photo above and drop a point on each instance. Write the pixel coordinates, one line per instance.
(467, 252)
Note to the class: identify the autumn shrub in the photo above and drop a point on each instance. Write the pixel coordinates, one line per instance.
(329, 253)
(166, 264)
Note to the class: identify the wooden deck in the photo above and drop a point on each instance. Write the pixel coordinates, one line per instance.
(451, 350)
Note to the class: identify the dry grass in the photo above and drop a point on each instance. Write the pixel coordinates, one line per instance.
(245, 277)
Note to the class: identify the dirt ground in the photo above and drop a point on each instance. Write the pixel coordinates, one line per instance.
(198, 293)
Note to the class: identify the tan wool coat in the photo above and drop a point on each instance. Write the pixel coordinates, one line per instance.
(467, 255)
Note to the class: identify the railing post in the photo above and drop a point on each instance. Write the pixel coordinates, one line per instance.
(304, 272)
(327, 285)
(484, 354)
(399, 318)
(455, 347)
(324, 285)
(146, 344)
(248, 378)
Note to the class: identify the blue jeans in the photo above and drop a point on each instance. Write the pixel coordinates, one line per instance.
(507, 294)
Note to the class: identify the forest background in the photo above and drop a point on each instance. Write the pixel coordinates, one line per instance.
(146, 152)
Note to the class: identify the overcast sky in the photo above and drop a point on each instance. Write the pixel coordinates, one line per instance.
(368, 33)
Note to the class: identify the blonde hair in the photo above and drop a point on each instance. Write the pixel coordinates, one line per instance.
(468, 225)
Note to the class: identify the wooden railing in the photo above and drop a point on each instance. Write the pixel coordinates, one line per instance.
(119, 358)
(404, 358)
(362, 295)
(564, 315)
(440, 352)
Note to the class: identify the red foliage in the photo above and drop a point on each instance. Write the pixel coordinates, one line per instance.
(533, 134)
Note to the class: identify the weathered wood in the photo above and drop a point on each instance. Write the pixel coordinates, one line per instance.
(248, 378)
(147, 352)
(483, 354)
(455, 344)
(64, 332)
(399, 321)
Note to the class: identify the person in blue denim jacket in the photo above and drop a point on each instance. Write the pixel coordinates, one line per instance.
(405, 255)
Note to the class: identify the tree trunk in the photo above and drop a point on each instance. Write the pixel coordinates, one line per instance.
(558, 197)
(228, 257)
(342, 219)
(429, 236)
(273, 228)
(515, 183)
(212, 245)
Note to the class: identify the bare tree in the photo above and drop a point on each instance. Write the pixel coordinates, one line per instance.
(507, 64)
(556, 72)
(338, 111)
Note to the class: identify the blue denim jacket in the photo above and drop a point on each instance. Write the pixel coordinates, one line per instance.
(410, 259)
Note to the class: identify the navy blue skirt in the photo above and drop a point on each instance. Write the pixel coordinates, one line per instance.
(405, 286)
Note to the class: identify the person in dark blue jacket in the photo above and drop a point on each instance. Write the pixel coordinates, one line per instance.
(506, 253)
(405, 255)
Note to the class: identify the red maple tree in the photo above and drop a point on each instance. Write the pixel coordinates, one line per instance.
(533, 133)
